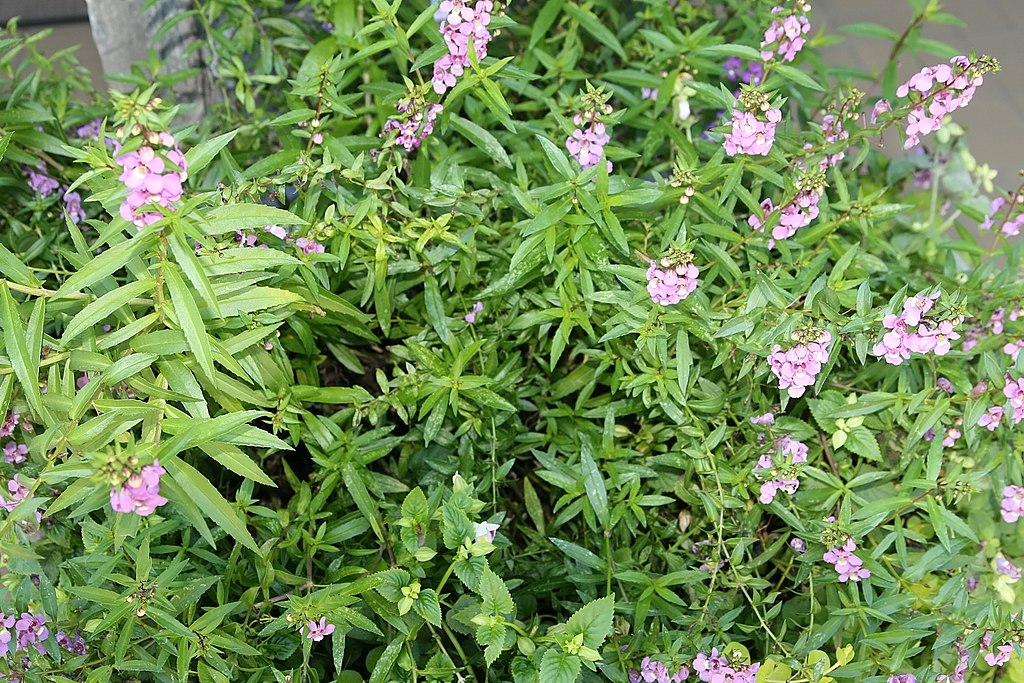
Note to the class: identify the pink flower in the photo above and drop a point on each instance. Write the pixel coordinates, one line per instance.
(939, 90)
(798, 367)
(1012, 507)
(140, 493)
(848, 566)
(751, 135)
(990, 420)
(763, 420)
(784, 36)
(1000, 656)
(319, 630)
(15, 453)
(416, 122)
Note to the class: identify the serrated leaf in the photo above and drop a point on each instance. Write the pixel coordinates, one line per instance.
(558, 667)
(594, 621)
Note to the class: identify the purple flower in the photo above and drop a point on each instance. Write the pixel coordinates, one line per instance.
(319, 630)
(73, 205)
(903, 678)
(763, 420)
(990, 420)
(847, 565)
(471, 316)
(73, 644)
(31, 630)
(751, 135)
(90, 130)
(798, 545)
(41, 183)
(15, 453)
(1007, 568)
(1012, 507)
(9, 423)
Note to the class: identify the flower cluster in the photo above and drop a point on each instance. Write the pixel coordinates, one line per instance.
(140, 492)
(416, 122)
(1008, 226)
(780, 473)
(751, 134)
(655, 672)
(785, 36)
(796, 214)
(799, 365)
(29, 629)
(1012, 507)
(673, 278)
(461, 24)
(939, 90)
(716, 668)
(587, 141)
(833, 131)
(153, 174)
(847, 565)
(915, 331)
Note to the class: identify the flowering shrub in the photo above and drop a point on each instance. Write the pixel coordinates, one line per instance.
(533, 342)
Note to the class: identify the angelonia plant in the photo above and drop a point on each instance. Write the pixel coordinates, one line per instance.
(533, 342)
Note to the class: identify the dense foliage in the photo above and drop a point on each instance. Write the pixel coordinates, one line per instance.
(568, 340)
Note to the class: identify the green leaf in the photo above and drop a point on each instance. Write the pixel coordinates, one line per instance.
(106, 264)
(24, 362)
(595, 27)
(862, 442)
(210, 501)
(103, 307)
(557, 159)
(232, 217)
(594, 621)
(544, 20)
(12, 267)
(482, 139)
(558, 667)
(791, 73)
(190, 321)
(494, 595)
(593, 484)
(428, 606)
(386, 662)
(200, 156)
